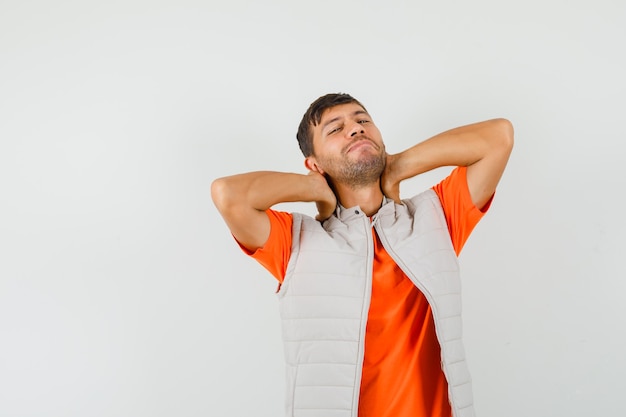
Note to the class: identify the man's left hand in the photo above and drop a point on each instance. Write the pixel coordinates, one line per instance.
(388, 181)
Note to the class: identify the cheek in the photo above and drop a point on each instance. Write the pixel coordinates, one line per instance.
(326, 163)
(379, 139)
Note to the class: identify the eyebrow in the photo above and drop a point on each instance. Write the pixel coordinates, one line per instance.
(333, 120)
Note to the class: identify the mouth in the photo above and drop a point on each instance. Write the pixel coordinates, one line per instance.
(359, 143)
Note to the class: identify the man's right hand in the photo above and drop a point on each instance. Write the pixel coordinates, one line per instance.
(326, 201)
(243, 199)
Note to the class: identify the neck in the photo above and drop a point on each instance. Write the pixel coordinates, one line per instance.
(368, 197)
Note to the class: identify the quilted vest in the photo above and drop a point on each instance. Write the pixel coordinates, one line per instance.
(325, 296)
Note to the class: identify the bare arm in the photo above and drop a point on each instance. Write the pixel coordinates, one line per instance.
(243, 199)
(484, 148)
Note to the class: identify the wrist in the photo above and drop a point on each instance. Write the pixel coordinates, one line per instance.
(317, 187)
(392, 169)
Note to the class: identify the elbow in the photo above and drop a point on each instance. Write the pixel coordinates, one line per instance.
(508, 132)
(219, 193)
(503, 133)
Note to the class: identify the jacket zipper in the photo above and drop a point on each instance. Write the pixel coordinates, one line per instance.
(364, 313)
(420, 287)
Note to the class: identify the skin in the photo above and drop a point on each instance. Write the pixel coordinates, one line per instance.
(347, 137)
(349, 154)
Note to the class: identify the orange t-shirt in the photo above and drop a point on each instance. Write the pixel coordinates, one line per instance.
(402, 375)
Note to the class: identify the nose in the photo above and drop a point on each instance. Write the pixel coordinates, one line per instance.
(355, 129)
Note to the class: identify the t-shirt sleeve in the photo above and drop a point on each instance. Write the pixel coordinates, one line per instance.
(275, 253)
(461, 213)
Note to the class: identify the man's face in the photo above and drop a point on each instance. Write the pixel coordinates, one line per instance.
(348, 147)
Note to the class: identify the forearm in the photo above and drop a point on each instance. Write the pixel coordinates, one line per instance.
(262, 189)
(243, 199)
(462, 146)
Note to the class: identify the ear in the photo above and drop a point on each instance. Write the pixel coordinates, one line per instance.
(311, 164)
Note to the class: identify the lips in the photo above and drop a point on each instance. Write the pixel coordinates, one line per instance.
(359, 143)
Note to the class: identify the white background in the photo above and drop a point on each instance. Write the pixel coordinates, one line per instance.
(121, 290)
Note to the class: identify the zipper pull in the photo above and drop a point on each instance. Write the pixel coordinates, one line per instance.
(374, 219)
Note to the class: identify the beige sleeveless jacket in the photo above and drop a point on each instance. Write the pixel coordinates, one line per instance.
(324, 301)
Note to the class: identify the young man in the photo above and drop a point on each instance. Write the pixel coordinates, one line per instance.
(370, 289)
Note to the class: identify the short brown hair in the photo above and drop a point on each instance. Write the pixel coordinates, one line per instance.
(313, 116)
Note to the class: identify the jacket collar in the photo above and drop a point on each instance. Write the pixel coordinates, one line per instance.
(346, 214)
